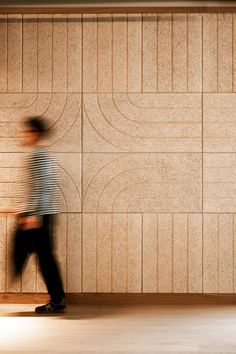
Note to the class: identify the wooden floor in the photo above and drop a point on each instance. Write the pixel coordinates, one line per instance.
(116, 329)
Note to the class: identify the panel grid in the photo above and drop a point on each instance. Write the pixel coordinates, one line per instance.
(143, 112)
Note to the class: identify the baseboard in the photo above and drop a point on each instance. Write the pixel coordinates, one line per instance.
(118, 298)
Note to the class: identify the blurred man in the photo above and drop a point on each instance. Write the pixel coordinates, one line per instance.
(36, 214)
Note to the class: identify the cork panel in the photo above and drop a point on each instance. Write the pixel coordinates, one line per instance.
(150, 51)
(69, 187)
(234, 254)
(142, 182)
(89, 254)
(180, 52)
(165, 33)
(234, 50)
(60, 53)
(119, 50)
(134, 253)
(180, 253)
(210, 253)
(13, 285)
(194, 52)
(225, 57)
(74, 53)
(14, 53)
(69, 170)
(119, 253)
(90, 49)
(219, 183)
(210, 79)
(30, 53)
(165, 253)
(219, 111)
(63, 112)
(103, 235)
(195, 251)
(150, 251)
(74, 252)
(142, 122)
(45, 47)
(226, 235)
(104, 37)
(10, 167)
(3, 253)
(134, 53)
(60, 229)
(3, 57)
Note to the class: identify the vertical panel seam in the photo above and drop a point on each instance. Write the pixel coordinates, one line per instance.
(7, 48)
(187, 52)
(202, 154)
(142, 253)
(187, 255)
(156, 16)
(157, 252)
(82, 149)
(172, 250)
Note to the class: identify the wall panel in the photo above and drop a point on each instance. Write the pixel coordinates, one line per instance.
(142, 108)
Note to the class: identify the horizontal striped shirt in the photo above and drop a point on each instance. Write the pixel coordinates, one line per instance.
(38, 193)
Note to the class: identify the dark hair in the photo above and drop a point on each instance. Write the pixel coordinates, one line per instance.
(37, 125)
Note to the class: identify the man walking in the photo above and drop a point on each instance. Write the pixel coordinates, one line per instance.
(36, 213)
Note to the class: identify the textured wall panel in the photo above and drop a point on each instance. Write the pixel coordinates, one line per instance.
(30, 49)
(219, 183)
(142, 108)
(142, 122)
(142, 182)
(149, 53)
(104, 40)
(195, 251)
(194, 57)
(14, 53)
(74, 48)
(134, 54)
(3, 253)
(180, 52)
(150, 252)
(62, 109)
(225, 58)
(45, 60)
(219, 111)
(3, 57)
(219, 236)
(69, 167)
(210, 77)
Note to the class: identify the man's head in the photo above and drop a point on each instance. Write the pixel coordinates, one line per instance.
(35, 129)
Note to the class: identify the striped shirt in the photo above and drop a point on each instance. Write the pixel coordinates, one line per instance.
(38, 194)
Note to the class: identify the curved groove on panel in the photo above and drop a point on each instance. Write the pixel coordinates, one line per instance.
(15, 113)
(20, 101)
(175, 185)
(126, 127)
(70, 191)
(68, 117)
(62, 110)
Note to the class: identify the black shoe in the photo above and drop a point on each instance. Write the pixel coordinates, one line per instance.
(50, 308)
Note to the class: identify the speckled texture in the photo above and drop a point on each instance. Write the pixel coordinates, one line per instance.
(143, 110)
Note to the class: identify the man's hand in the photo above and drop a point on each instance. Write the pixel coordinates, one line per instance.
(30, 222)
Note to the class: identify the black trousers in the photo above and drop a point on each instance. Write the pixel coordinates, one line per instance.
(26, 242)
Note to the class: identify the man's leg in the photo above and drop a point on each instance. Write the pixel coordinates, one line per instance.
(19, 251)
(48, 264)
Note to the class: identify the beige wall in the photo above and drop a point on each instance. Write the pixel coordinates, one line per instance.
(145, 116)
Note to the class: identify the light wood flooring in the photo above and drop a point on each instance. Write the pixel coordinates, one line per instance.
(116, 329)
